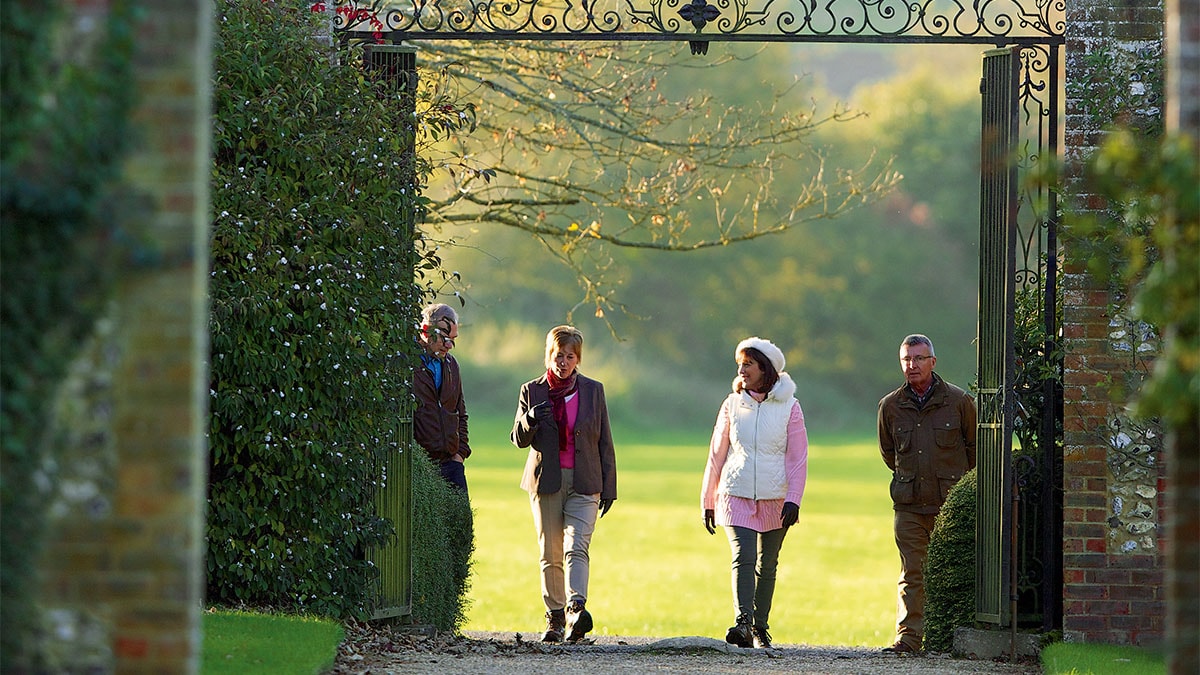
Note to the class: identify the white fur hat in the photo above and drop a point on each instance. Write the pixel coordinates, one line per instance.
(769, 350)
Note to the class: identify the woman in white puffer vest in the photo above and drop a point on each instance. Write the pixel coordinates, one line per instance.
(754, 480)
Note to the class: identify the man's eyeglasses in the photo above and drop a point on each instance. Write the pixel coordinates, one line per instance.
(442, 336)
(915, 359)
(441, 333)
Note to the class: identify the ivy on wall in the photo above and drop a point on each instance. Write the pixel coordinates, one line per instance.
(1150, 251)
(64, 120)
(1144, 245)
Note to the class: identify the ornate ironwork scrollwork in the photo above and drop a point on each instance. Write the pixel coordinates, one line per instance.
(983, 21)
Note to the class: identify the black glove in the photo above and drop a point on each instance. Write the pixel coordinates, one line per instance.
(710, 521)
(605, 505)
(539, 413)
(790, 514)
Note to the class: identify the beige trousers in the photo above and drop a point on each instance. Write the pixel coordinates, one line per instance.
(564, 522)
(912, 540)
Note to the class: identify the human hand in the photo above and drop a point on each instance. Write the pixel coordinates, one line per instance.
(539, 413)
(605, 505)
(790, 514)
(710, 521)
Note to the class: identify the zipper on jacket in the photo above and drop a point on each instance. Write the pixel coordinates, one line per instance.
(757, 423)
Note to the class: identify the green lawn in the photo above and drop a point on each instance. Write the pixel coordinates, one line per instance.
(1070, 658)
(656, 572)
(246, 643)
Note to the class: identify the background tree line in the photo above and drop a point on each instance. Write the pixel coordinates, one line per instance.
(837, 293)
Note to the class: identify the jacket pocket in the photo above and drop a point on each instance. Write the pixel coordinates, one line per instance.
(946, 480)
(903, 489)
(906, 458)
(947, 435)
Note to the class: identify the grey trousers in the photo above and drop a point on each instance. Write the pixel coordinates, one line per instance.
(564, 522)
(755, 559)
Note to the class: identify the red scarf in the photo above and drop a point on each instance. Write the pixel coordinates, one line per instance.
(559, 391)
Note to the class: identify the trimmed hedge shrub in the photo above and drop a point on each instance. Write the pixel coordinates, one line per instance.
(950, 567)
(314, 305)
(443, 541)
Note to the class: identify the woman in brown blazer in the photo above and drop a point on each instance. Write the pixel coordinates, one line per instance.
(570, 475)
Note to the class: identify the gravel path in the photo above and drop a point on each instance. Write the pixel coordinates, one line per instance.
(381, 651)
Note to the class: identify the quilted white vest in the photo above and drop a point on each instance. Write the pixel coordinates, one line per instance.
(757, 443)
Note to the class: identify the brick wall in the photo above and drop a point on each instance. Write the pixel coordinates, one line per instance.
(123, 569)
(1114, 473)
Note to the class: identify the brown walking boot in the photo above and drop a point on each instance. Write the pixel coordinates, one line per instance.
(556, 621)
(901, 647)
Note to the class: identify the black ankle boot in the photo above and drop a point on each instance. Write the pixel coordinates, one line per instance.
(556, 621)
(579, 621)
(762, 639)
(739, 634)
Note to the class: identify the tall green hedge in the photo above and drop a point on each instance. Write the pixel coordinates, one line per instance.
(62, 138)
(950, 567)
(313, 303)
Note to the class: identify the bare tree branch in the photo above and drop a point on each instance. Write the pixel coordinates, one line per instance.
(591, 146)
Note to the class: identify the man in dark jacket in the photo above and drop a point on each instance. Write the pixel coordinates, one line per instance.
(927, 438)
(440, 418)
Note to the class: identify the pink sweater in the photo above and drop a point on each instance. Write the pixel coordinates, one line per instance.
(566, 456)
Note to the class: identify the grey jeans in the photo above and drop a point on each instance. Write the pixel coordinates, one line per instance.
(564, 522)
(755, 558)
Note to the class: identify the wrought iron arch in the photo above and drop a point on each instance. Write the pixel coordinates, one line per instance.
(994, 22)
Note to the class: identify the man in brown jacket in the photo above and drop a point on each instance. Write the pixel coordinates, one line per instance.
(927, 438)
(440, 418)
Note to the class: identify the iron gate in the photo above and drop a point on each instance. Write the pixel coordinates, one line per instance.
(393, 69)
(997, 256)
(1019, 508)
(1017, 550)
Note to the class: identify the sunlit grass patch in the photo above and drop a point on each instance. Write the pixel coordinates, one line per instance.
(657, 572)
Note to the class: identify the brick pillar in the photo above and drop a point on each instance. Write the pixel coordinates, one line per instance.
(161, 379)
(1183, 447)
(1113, 469)
(123, 570)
